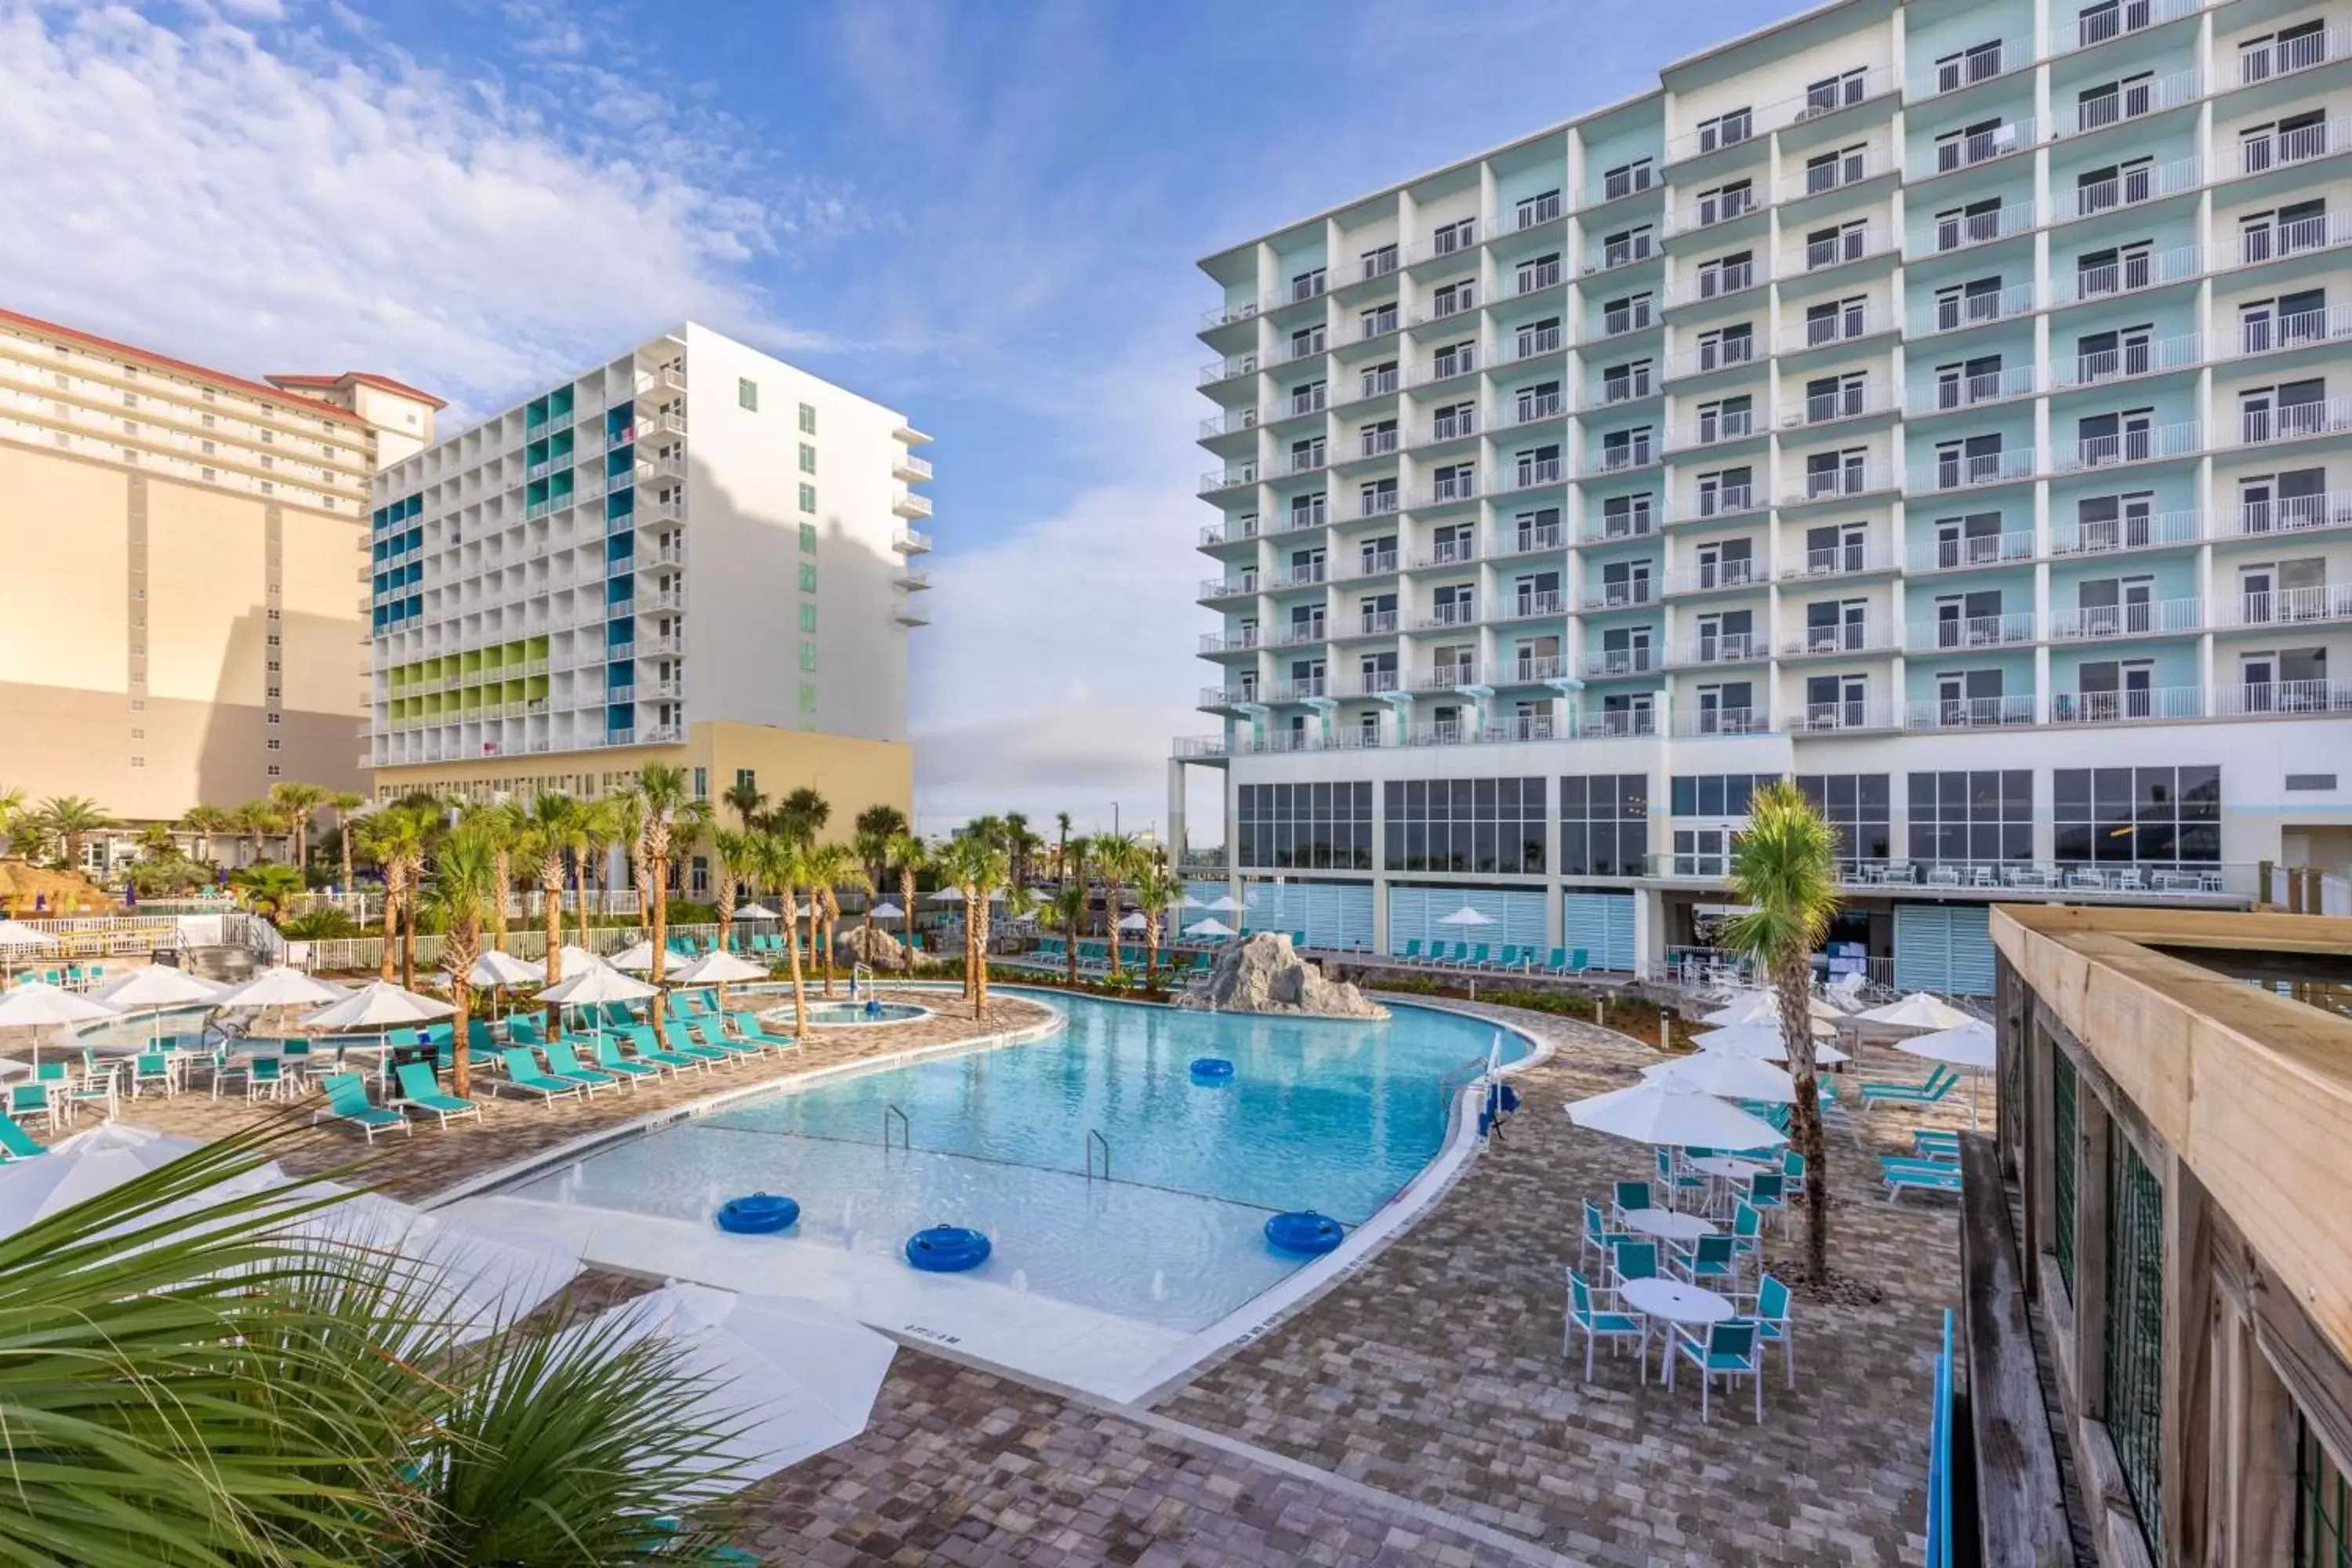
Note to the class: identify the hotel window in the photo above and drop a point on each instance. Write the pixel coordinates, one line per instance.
(747, 394)
(1727, 274)
(1726, 201)
(1541, 272)
(1492, 827)
(1604, 825)
(1306, 285)
(1626, 247)
(808, 577)
(270, 436)
(1837, 244)
(1725, 129)
(1381, 261)
(1983, 815)
(1840, 91)
(1734, 345)
(808, 655)
(1538, 209)
(1627, 178)
(275, 744)
(808, 498)
(1459, 235)
(273, 771)
(808, 418)
(1452, 298)
(1631, 314)
(702, 784)
(1380, 320)
(274, 718)
(1325, 825)
(808, 696)
(808, 458)
(2136, 816)
(1858, 809)
(138, 762)
(1618, 383)
(808, 539)
(808, 618)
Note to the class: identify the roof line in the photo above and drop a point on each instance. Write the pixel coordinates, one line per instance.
(364, 377)
(205, 373)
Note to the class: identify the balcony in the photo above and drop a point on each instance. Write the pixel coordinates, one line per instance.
(1722, 500)
(1969, 712)
(910, 541)
(1525, 670)
(1724, 647)
(2282, 334)
(908, 504)
(1635, 180)
(1837, 560)
(1463, 486)
(1853, 402)
(1611, 528)
(1953, 392)
(1631, 251)
(1715, 428)
(1960, 312)
(1449, 553)
(2301, 54)
(1525, 728)
(1538, 539)
(1309, 574)
(2159, 618)
(2130, 362)
(1836, 173)
(1457, 238)
(1446, 367)
(2136, 446)
(2133, 274)
(1231, 369)
(1725, 132)
(1715, 283)
(1534, 342)
(1708, 721)
(2284, 700)
(1372, 683)
(2147, 531)
(1244, 641)
(1300, 690)
(1977, 149)
(1983, 63)
(1216, 588)
(1218, 697)
(1974, 471)
(1732, 353)
(1611, 663)
(1447, 617)
(1842, 249)
(1530, 604)
(1370, 624)
(1814, 718)
(2013, 627)
(2286, 150)
(1379, 563)
(1625, 322)
(2138, 102)
(656, 382)
(2149, 182)
(1847, 638)
(1717, 577)
(2286, 608)
(1966, 231)
(1820, 485)
(1714, 210)
(1445, 677)
(2104, 25)
(1232, 421)
(2294, 422)
(1447, 305)
(1618, 724)
(2290, 514)
(1625, 457)
(2143, 706)
(1454, 426)
(1840, 325)
(1299, 634)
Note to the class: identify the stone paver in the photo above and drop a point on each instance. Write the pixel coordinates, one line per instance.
(1435, 1373)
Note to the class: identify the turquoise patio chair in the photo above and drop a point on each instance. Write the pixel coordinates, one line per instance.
(264, 1075)
(347, 1103)
(641, 1038)
(681, 1043)
(748, 1025)
(607, 1052)
(522, 1071)
(1631, 1196)
(712, 1032)
(16, 1143)
(419, 1090)
(154, 1067)
(1728, 1350)
(1714, 1262)
(1410, 953)
(1772, 1325)
(563, 1062)
(1634, 1260)
(30, 1102)
(1937, 1085)
(1600, 1325)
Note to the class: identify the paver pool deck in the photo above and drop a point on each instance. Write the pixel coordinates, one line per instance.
(1417, 1411)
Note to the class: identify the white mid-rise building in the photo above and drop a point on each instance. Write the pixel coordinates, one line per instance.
(1946, 405)
(694, 554)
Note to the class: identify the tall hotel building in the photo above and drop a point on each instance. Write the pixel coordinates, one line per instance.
(1944, 404)
(694, 554)
(178, 545)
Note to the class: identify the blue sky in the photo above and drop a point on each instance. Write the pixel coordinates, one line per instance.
(986, 213)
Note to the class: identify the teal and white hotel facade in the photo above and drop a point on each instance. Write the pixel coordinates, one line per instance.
(1947, 405)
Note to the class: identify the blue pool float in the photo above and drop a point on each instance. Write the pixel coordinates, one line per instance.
(1212, 1070)
(946, 1249)
(1304, 1230)
(758, 1214)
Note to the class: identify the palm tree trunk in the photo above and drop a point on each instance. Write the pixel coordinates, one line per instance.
(1792, 984)
(1071, 955)
(800, 992)
(660, 879)
(979, 923)
(462, 944)
(499, 909)
(344, 843)
(830, 922)
(907, 903)
(411, 874)
(550, 890)
(391, 918)
(1150, 949)
(1110, 919)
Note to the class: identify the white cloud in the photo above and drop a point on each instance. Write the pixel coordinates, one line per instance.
(298, 200)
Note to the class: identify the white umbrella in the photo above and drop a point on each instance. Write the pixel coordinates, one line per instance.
(379, 1004)
(1465, 916)
(37, 1005)
(31, 939)
(495, 968)
(1970, 1046)
(1134, 922)
(576, 958)
(1764, 1007)
(154, 989)
(1667, 1112)
(754, 912)
(639, 958)
(83, 1166)
(948, 896)
(786, 1377)
(1211, 927)
(598, 983)
(279, 987)
(1188, 902)
(716, 967)
(1761, 1042)
(1223, 905)
(886, 910)
(1732, 1077)
(1919, 1011)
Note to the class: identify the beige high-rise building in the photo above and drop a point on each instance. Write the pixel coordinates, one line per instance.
(185, 560)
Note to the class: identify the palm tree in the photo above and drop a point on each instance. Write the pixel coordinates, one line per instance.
(12, 807)
(1020, 846)
(156, 842)
(832, 867)
(257, 820)
(464, 890)
(747, 799)
(267, 887)
(204, 821)
(601, 827)
(783, 863)
(1784, 869)
(882, 818)
(732, 850)
(802, 814)
(1117, 857)
(977, 866)
(299, 802)
(1067, 907)
(501, 824)
(398, 836)
(909, 855)
(668, 808)
(627, 811)
(1157, 887)
(554, 826)
(343, 802)
(71, 819)
(873, 848)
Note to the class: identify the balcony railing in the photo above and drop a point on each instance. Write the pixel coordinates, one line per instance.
(2324, 232)
(2288, 514)
(1977, 149)
(2286, 148)
(1228, 478)
(1634, 593)
(1535, 539)
(1956, 312)
(1737, 129)
(1968, 391)
(1613, 390)
(1865, 714)
(2126, 707)
(1723, 501)
(1371, 683)
(1724, 647)
(1298, 690)
(1372, 624)
(1846, 480)
(1525, 728)
(1837, 560)
(1532, 342)
(1452, 427)
(1960, 231)
(2132, 102)
(1631, 251)
(2305, 328)
(1715, 283)
(1715, 428)
(2073, 536)
(1233, 642)
(1618, 724)
(1525, 670)
(2156, 618)
(2103, 24)
(1730, 353)
(1447, 552)
(1457, 238)
(1716, 576)
(1980, 64)
(1835, 172)
(1971, 631)
(1438, 618)
(2147, 183)
(1228, 369)
(2131, 360)
(1199, 746)
(1638, 523)
(1968, 712)
(2282, 699)
(1226, 696)
(1700, 721)
(1296, 634)
(2294, 421)
(1531, 410)
(1309, 575)
(1850, 637)
(2291, 55)
(1618, 185)
(2150, 269)
(1621, 323)
(1460, 486)
(1714, 210)
(1606, 662)
(1445, 677)
(1841, 326)
(1531, 604)
(1379, 563)
(1625, 455)
(1967, 470)
(2287, 606)
(1841, 250)
(1530, 473)
(1446, 367)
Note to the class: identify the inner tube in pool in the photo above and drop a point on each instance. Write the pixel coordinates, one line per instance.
(1212, 1069)
(758, 1214)
(1304, 1230)
(946, 1249)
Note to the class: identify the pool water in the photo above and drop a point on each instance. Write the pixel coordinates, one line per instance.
(1322, 1114)
(831, 1014)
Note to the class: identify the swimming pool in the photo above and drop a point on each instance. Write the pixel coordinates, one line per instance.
(1094, 1281)
(835, 1015)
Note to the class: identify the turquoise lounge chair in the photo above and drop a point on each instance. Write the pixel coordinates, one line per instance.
(641, 1037)
(420, 1091)
(564, 1064)
(712, 1032)
(16, 1143)
(1903, 1174)
(347, 1103)
(522, 1028)
(1939, 1084)
(681, 1043)
(522, 1071)
(749, 1026)
(1410, 953)
(609, 1057)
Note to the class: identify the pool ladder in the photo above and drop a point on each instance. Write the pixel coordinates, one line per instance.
(906, 1130)
(1096, 1140)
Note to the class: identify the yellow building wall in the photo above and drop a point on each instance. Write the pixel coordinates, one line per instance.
(64, 546)
(326, 666)
(207, 576)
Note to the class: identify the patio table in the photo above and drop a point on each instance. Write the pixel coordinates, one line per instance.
(1669, 1224)
(1729, 1167)
(1676, 1302)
